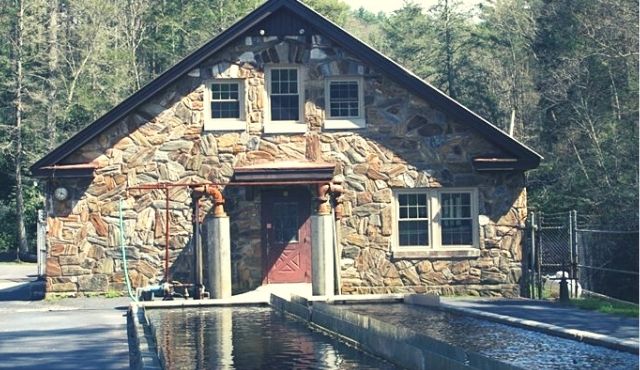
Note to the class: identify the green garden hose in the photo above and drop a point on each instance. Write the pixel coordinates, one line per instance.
(124, 256)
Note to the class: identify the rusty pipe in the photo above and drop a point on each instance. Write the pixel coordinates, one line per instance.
(215, 193)
(338, 193)
(324, 208)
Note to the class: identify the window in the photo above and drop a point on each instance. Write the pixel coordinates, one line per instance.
(344, 103)
(225, 100)
(284, 95)
(285, 100)
(436, 222)
(224, 105)
(413, 220)
(285, 222)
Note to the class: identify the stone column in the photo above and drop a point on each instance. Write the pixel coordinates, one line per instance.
(322, 258)
(219, 256)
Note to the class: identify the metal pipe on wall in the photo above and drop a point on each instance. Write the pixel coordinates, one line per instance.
(197, 247)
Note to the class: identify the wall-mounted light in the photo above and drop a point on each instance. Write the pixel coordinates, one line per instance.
(61, 193)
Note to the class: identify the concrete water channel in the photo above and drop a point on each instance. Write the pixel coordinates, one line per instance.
(384, 333)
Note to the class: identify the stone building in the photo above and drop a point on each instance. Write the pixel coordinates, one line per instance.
(328, 163)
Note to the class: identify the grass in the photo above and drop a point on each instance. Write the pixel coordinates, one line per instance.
(53, 298)
(605, 306)
(113, 294)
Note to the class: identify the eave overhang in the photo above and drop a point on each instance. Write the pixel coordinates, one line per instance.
(66, 170)
(498, 164)
(285, 172)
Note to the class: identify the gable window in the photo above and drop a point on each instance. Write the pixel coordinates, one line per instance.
(344, 103)
(284, 95)
(225, 100)
(284, 88)
(436, 222)
(224, 105)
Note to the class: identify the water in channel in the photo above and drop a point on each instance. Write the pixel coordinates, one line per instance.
(249, 338)
(522, 348)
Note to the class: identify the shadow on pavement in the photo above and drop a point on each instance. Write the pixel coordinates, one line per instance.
(77, 348)
(27, 291)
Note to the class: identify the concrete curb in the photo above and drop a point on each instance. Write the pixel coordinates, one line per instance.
(143, 352)
(184, 303)
(574, 334)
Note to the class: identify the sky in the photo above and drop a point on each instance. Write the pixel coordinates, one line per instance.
(388, 6)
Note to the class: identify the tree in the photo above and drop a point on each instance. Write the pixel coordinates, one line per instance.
(507, 64)
(335, 10)
(588, 81)
(405, 38)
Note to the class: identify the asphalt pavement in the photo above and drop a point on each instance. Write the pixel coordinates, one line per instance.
(612, 328)
(72, 333)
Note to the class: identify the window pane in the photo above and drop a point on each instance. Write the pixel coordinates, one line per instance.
(412, 206)
(455, 205)
(284, 108)
(456, 232)
(413, 233)
(225, 110)
(343, 99)
(285, 222)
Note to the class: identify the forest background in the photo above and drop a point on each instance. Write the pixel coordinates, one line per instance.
(562, 76)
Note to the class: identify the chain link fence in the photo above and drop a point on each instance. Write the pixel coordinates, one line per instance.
(601, 260)
(607, 262)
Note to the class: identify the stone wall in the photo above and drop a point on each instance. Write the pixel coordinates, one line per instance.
(407, 144)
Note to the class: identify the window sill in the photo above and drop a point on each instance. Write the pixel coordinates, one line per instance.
(225, 125)
(285, 127)
(345, 124)
(459, 252)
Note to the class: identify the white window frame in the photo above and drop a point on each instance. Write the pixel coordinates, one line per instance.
(344, 123)
(284, 127)
(224, 124)
(435, 248)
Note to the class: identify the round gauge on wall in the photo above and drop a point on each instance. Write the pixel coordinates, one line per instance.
(60, 193)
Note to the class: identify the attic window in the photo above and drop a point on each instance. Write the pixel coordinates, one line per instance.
(344, 103)
(284, 89)
(225, 100)
(224, 105)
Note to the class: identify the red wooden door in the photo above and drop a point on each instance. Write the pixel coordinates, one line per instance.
(287, 237)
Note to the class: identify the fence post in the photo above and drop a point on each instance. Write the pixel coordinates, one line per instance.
(532, 258)
(570, 239)
(41, 243)
(574, 262)
(538, 226)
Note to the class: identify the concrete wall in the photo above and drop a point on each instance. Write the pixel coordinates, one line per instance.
(399, 345)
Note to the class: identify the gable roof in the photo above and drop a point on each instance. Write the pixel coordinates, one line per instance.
(526, 157)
